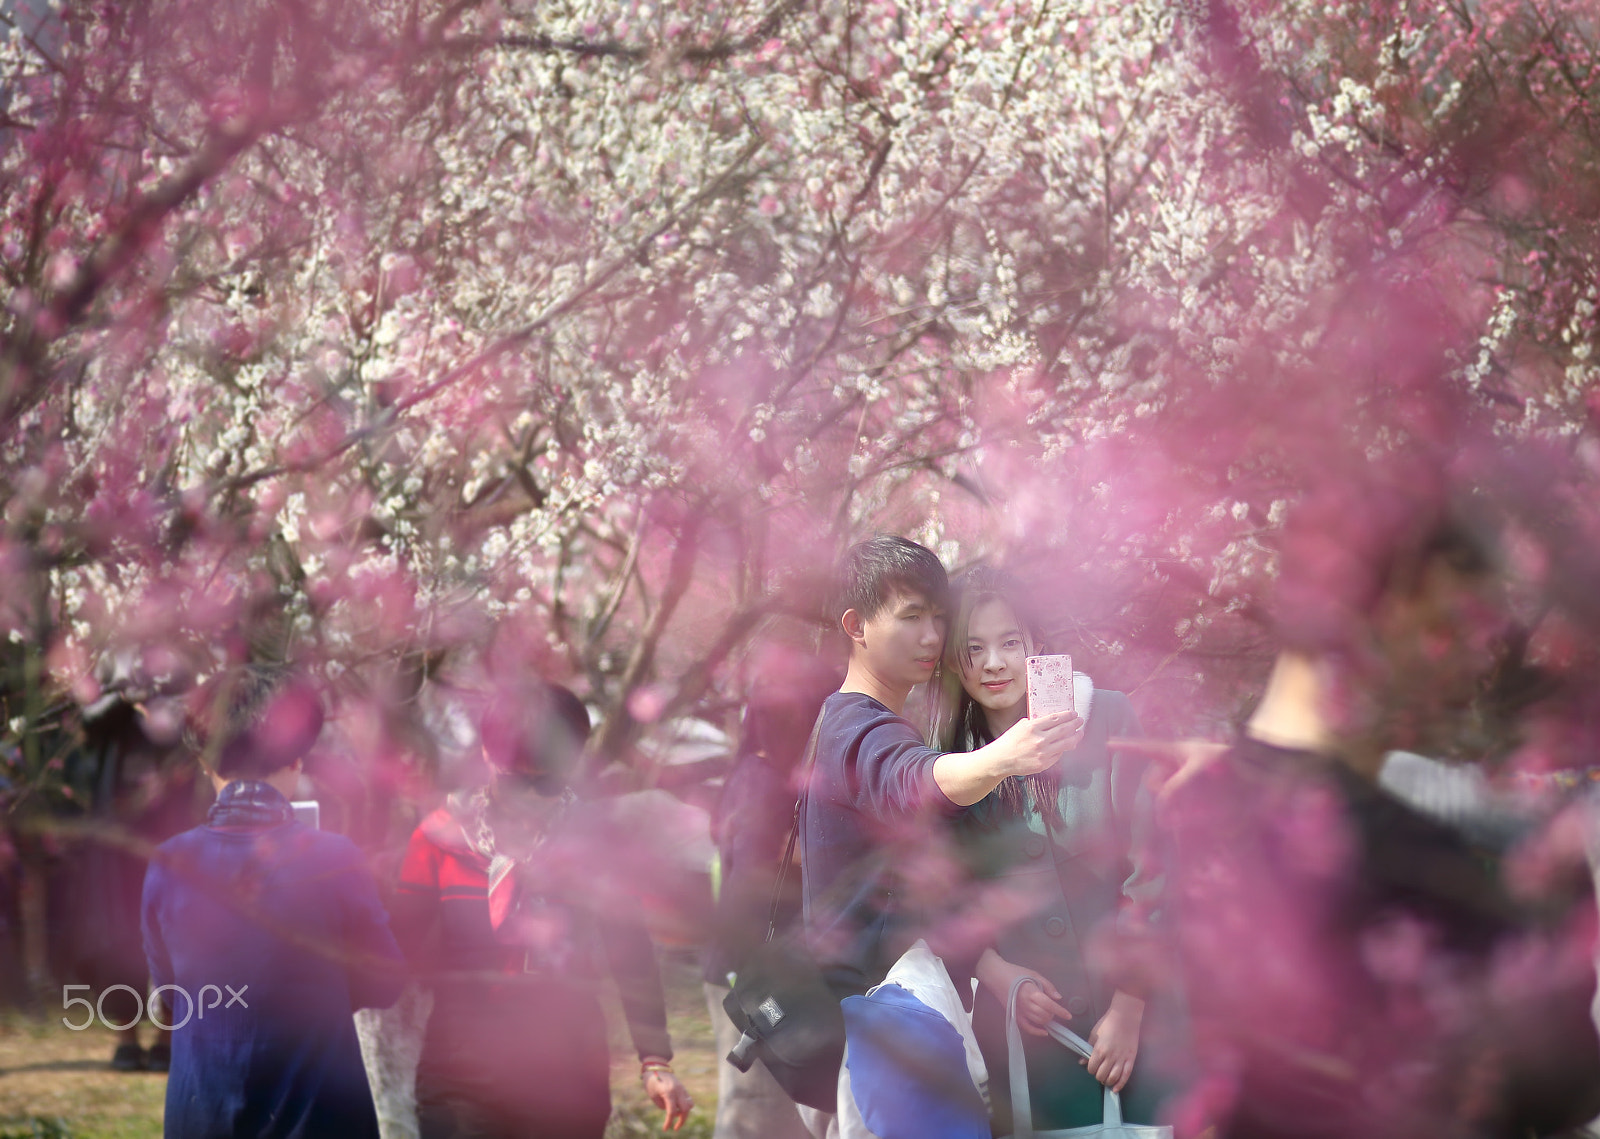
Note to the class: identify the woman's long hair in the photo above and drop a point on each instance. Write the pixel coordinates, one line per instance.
(955, 720)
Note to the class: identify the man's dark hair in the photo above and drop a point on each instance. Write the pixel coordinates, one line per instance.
(871, 572)
(1343, 553)
(266, 717)
(535, 730)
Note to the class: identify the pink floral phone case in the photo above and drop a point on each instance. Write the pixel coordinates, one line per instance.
(1049, 685)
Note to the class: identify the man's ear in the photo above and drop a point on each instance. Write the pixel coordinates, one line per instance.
(854, 627)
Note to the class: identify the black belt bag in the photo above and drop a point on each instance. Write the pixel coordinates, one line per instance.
(791, 1022)
(781, 1002)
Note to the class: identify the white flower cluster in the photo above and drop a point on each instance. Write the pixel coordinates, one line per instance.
(482, 331)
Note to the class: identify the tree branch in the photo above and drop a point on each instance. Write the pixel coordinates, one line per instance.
(620, 725)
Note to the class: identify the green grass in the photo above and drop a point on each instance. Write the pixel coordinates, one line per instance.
(57, 1084)
(632, 1121)
(35, 1127)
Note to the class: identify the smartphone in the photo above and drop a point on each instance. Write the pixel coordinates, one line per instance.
(1049, 685)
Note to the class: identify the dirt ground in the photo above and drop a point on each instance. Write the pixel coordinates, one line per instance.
(56, 1083)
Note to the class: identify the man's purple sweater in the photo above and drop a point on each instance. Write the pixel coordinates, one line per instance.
(871, 819)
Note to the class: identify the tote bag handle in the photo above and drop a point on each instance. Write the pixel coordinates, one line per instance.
(1021, 1100)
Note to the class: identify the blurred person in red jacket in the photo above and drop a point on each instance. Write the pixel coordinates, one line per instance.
(505, 908)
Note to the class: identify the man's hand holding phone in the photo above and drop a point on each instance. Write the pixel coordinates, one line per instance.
(1052, 726)
(1033, 745)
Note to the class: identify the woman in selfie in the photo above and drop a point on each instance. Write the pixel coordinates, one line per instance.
(1055, 855)
(509, 910)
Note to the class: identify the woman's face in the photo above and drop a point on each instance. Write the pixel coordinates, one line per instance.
(993, 669)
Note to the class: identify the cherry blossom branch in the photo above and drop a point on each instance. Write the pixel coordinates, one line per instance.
(717, 52)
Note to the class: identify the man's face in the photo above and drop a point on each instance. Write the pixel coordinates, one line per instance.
(902, 643)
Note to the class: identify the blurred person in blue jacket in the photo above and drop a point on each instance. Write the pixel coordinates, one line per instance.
(266, 934)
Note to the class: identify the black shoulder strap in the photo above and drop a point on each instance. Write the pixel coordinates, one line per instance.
(807, 761)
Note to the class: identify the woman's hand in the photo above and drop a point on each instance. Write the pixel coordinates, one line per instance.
(1036, 1003)
(669, 1095)
(1116, 1041)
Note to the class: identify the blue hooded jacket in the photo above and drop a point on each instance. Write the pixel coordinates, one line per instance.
(272, 933)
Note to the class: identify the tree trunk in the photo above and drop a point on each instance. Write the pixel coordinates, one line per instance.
(33, 917)
(391, 1043)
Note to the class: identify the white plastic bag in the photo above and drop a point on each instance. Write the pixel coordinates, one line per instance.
(923, 975)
